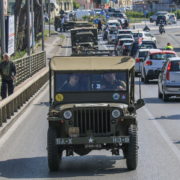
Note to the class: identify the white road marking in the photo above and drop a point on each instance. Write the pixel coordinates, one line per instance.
(163, 133)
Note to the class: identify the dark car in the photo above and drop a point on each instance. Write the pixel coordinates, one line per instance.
(143, 45)
(162, 19)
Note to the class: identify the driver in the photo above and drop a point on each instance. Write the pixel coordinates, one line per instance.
(111, 83)
(72, 84)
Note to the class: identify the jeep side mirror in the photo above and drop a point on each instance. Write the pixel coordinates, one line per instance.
(139, 104)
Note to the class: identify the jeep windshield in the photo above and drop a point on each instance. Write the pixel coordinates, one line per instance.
(90, 82)
(84, 38)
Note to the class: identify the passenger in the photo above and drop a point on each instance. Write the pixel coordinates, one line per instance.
(169, 46)
(72, 84)
(111, 83)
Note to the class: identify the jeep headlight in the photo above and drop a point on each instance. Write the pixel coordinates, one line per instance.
(116, 113)
(67, 114)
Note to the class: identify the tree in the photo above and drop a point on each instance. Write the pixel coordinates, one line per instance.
(76, 5)
(21, 22)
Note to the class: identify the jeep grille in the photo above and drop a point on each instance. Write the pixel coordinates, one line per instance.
(93, 121)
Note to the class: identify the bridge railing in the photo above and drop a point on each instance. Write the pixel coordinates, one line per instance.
(26, 67)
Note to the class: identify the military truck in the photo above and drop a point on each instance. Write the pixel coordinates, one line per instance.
(86, 113)
(83, 39)
(70, 24)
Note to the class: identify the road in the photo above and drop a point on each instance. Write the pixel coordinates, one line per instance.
(23, 147)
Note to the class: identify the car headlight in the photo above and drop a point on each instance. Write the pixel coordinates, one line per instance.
(67, 114)
(116, 113)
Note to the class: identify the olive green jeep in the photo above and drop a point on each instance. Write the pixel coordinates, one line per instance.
(92, 107)
(83, 39)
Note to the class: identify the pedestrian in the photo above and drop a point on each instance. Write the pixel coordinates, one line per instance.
(62, 29)
(8, 73)
(169, 46)
(99, 25)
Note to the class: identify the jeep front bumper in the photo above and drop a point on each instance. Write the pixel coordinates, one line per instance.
(93, 140)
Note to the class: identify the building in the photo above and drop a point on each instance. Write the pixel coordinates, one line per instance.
(160, 5)
(86, 4)
(66, 5)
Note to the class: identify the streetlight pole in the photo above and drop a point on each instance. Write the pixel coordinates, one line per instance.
(32, 24)
(42, 23)
(49, 14)
(2, 27)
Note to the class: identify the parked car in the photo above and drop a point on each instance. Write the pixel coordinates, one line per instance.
(169, 79)
(153, 63)
(139, 57)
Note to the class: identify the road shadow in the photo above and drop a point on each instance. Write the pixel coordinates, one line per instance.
(66, 46)
(156, 100)
(177, 142)
(170, 117)
(37, 167)
(42, 104)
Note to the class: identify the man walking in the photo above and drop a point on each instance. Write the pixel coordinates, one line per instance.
(8, 73)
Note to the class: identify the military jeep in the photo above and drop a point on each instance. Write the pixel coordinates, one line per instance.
(87, 112)
(83, 39)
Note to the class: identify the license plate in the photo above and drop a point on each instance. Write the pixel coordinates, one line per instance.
(120, 139)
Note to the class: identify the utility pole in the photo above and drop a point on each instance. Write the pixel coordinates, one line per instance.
(2, 27)
(32, 24)
(28, 27)
(49, 14)
(42, 23)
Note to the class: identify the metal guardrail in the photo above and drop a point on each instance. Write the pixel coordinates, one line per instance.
(12, 103)
(28, 66)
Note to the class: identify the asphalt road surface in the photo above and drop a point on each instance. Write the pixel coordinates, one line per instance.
(23, 152)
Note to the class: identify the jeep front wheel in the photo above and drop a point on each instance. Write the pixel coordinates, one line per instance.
(132, 149)
(54, 155)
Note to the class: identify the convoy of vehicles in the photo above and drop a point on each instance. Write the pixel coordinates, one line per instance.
(92, 95)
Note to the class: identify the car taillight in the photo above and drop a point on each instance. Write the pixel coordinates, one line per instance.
(168, 73)
(137, 60)
(169, 66)
(148, 63)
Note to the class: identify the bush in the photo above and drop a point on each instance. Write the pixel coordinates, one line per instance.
(177, 13)
(134, 14)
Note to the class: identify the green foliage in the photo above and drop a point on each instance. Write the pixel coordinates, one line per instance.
(76, 5)
(177, 13)
(18, 55)
(134, 14)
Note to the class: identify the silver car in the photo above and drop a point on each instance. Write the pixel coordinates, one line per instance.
(169, 79)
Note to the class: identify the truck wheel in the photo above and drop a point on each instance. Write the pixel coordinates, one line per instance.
(132, 150)
(53, 154)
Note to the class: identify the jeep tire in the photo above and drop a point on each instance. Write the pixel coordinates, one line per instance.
(132, 149)
(54, 155)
